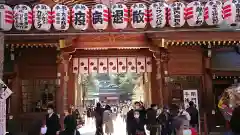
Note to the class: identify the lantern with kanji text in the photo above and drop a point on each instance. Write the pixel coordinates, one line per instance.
(42, 17)
(22, 17)
(61, 17)
(158, 14)
(176, 14)
(139, 15)
(119, 16)
(100, 17)
(80, 17)
(6, 16)
(194, 13)
(213, 12)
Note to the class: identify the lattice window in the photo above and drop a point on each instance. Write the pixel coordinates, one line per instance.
(37, 94)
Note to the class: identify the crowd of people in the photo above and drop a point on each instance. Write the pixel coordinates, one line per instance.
(172, 120)
(138, 119)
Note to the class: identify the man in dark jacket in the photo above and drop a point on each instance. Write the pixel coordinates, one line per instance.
(152, 119)
(131, 119)
(165, 119)
(70, 122)
(52, 122)
(193, 112)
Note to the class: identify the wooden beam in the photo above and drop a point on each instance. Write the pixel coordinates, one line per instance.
(197, 35)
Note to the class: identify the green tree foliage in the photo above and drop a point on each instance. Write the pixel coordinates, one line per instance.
(125, 81)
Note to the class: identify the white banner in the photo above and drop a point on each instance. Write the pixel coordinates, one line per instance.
(2, 117)
(190, 95)
(5, 91)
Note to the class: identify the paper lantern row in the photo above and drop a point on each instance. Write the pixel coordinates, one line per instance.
(112, 65)
(158, 15)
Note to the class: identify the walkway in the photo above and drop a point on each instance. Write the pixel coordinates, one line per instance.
(119, 128)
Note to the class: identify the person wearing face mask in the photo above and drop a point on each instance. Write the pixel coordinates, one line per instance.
(130, 117)
(138, 125)
(52, 122)
(180, 126)
(183, 112)
(164, 119)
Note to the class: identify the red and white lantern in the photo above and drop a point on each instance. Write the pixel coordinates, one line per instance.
(131, 64)
(213, 12)
(83, 66)
(148, 64)
(93, 65)
(75, 65)
(119, 16)
(139, 15)
(112, 65)
(141, 64)
(158, 14)
(194, 13)
(23, 17)
(42, 17)
(100, 17)
(80, 17)
(229, 12)
(6, 17)
(176, 14)
(103, 65)
(122, 64)
(61, 17)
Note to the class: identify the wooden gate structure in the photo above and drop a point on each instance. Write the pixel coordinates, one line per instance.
(181, 59)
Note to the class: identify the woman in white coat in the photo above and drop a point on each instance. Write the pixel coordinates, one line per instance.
(108, 120)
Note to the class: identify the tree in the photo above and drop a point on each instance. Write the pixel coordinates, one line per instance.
(125, 81)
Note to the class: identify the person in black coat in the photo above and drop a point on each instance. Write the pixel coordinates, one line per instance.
(193, 112)
(52, 122)
(164, 119)
(99, 119)
(152, 119)
(234, 122)
(138, 125)
(131, 119)
(70, 122)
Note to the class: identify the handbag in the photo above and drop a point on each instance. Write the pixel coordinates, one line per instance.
(44, 130)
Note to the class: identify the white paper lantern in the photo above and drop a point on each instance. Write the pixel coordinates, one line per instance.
(213, 13)
(42, 17)
(61, 17)
(229, 12)
(80, 17)
(139, 15)
(176, 14)
(194, 13)
(237, 16)
(100, 17)
(119, 16)
(6, 17)
(23, 17)
(158, 14)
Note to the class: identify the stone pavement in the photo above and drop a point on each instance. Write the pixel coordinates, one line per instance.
(119, 128)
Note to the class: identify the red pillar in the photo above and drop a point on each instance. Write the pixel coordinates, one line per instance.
(71, 84)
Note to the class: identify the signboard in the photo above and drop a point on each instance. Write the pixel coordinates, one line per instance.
(190, 95)
(5, 92)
